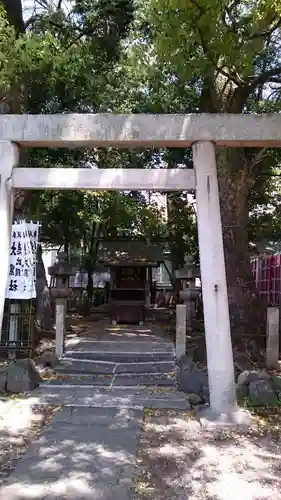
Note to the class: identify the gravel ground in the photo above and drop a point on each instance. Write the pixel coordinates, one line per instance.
(177, 460)
(20, 423)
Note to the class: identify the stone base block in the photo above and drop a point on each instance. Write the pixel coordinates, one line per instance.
(209, 418)
(3, 376)
(22, 376)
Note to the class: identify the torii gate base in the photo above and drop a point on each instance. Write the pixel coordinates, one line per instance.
(202, 132)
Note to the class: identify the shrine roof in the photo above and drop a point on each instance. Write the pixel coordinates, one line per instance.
(131, 253)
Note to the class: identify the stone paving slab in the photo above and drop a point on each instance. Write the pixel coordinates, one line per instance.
(119, 357)
(129, 397)
(93, 380)
(122, 380)
(53, 395)
(78, 366)
(125, 346)
(86, 454)
(104, 331)
(151, 379)
(166, 404)
(112, 417)
(148, 367)
(130, 336)
(124, 391)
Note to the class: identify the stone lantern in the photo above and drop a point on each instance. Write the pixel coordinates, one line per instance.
(190, 293)
(61, 271)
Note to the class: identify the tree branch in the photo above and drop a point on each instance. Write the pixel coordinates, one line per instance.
(31, 20)
(199, 7)
(268, 33)
(273, 93)
(256, 161)
(264, 77)
(44, 4)
(274, 80)
(234, 4)
(260, 156)
(204, 44)
(207, 53)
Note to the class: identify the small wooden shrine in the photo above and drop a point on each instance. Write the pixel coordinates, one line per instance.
(130, 265)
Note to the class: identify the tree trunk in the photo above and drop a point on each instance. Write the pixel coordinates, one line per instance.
(175, 207)
(177, 243)
(246, 312)
(43, 302)
(14, 13)
(17, 104)
(89, 289)
(91, 264)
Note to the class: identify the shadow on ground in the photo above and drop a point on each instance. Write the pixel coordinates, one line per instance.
(86, 453)
(177, 460)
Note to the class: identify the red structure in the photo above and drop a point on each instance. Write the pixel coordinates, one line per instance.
(267, 273)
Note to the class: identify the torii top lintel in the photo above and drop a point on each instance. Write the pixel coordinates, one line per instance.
(141, 130)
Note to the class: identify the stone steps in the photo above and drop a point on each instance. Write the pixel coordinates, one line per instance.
(120, 357)
(118, 380)
(140, 346)
(88, 366)
(129, 363)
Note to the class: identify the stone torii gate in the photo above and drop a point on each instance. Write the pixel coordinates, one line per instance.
(203, 133)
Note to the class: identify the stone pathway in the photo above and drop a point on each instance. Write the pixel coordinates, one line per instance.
(85, 454)
(89, 450)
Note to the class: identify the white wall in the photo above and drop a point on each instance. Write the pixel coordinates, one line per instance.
(161, 276)
(49, 256)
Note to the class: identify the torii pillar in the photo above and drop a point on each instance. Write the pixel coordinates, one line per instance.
(223, 405)
(9, 157)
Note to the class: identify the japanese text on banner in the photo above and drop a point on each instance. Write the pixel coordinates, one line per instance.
(22, 264)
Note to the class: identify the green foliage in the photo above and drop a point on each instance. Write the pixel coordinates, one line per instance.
(220, 54)
(230, 37)
(88, 217)
(182, 229)
(62, 59)
(73, 62)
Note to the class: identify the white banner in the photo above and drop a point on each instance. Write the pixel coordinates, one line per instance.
(22, 264)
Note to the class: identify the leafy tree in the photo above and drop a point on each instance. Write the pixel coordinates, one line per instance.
(90, 216)
(265, 215)
(228, 52)
(58, 61)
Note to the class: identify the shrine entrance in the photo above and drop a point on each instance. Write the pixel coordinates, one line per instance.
(201, 132)
(130, 264)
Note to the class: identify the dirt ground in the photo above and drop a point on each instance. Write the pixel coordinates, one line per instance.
(179, 461)
(20, 424)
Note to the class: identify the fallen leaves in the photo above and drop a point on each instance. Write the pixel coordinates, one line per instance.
(13, 445)
(153, 390)
(178, 459)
